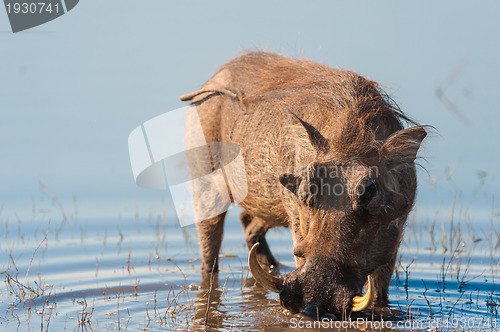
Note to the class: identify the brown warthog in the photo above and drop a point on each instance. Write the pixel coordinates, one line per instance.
(327, 155)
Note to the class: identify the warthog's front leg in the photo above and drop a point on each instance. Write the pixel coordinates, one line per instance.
(382, 278)
(255, 231)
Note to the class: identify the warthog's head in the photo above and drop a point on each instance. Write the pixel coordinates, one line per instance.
(348, 209)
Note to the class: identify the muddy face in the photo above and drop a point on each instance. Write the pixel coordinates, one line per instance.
(350, 219)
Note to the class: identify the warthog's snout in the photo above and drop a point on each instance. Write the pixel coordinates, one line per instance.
(316, 286)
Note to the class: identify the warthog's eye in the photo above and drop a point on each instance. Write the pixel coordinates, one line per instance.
(366, 191)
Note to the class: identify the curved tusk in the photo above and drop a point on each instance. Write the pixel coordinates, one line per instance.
(361, 302)
(267, 280)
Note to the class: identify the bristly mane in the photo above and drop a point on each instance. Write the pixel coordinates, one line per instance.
(362, 113)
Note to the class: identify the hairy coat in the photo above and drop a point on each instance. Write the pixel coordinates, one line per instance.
(304, 129)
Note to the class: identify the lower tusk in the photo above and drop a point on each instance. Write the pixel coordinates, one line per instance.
(361, 302)
(267, 280)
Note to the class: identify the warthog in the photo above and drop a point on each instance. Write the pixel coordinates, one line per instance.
(326, 154)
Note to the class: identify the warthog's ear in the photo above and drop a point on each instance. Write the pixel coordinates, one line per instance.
(402, 146)
(291, 182)
(317, 140)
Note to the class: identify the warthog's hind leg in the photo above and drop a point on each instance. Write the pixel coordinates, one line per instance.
(255, 231)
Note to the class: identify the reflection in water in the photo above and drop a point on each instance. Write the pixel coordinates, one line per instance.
(210, 311)
(155, 284)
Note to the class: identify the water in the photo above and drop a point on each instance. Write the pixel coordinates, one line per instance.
(73, 89)
(142, 274)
